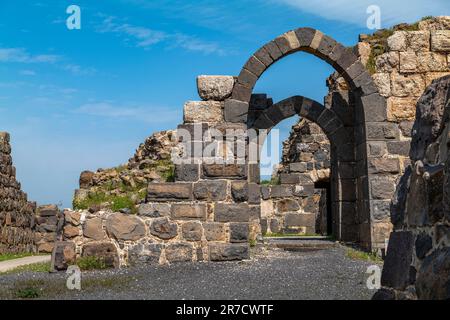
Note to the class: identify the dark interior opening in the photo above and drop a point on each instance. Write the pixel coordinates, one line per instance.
(325, 185)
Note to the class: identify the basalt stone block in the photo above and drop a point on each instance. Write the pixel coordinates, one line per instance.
(191, 131)
(154, 210)
(226, 212)
(228, 252)
(187, 172)
(275, 114)
(380, 209)
(382, 188)
(299, 220)
(236, 111)
(125, 227)
(398, 205)
(304, 190)
(169, 191)
(383, 165)
(239, 191)
(311, 110)
(375, 107)
(47, 210)
(398, 260)
(254, 193)
(326, 47)
(281, 191)
(163, 228)
(211, 190)
(305, 36)
(86, 179)
(255, 213)
(189, 211)
(192, 231)
(382, 131)
(93, 229)
(214, 231)
(286, 178)
(287, 42)
(265, 192)
(215, 87)
(286, 205)
(434, 277)
(224, 170)
(273, 50)
(63, 255)
(179, 252)
(247, 78)
(144, 253)
(384, 294)
(423, 245)
(105, 251)
(255, 66)
(264, 56)
(275, 226)
(239, 232)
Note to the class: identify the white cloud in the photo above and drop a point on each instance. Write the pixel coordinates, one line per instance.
(144, 37)
(78, 70)
(139, 113)
(21, 55)
(355, 11)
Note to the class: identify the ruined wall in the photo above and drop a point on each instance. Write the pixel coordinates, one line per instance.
(125, 186)
(16, 213)
(418, 257)
(297, 206)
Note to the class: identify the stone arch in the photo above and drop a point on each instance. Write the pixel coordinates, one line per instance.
(368, 120)
(342, 183)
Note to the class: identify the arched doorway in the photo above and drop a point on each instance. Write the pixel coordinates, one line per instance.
(352, 200)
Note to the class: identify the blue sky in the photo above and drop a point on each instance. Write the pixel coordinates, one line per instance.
(84, 99)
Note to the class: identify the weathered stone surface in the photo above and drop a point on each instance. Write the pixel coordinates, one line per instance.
(192, 231)
(423, 245)
(236, 111)
(63, 255)
(398, 205)
(228, 252)
(214, 231)
(47, 210)
(239, 232)
(189, 211)
(71, 231)
(125, 227)
(239, 191)
(169, 191)
(224, 170)
(179, 252)
(279, 191)
(382, 188)
(106, 251)
(440, 40)
(144, 252)
(163, 228)
(203, 111)
(398, 260)
(434, 276)
(72, 217)
(93, 229)
(299, 220)
(226, 212)
(211, 190)
(86, 179)
(154, 210)
(187, 172)
(401, 109)
(286, 205)
(407, 85)
(215, 87)
(383, 165)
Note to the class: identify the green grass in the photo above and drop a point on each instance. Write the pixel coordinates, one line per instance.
(35, 267)
(12, 256)
(252, 243)
(91, 263)
(362, 255)
(272, 182)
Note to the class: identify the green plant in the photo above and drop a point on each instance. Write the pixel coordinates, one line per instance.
(272, 182)
(35, 267)
(252, 242)
(28, 293)
(11, 256)
(362, 255)
(91, 263)
(427, 18)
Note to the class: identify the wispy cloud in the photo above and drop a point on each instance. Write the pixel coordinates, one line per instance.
(21, 55)
(79, 70)
(356, 11)
(144, 37)
(140, 113)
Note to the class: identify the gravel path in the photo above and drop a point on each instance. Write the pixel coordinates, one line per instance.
(272, 274)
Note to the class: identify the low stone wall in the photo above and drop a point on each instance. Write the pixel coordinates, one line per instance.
(16, 213)
(48, 227)
(418, 257)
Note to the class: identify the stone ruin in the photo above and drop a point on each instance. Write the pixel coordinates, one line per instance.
(200, 211)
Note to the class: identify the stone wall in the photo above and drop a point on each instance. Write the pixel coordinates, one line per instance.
(298, 206)
(418, 257)
(16, 213)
